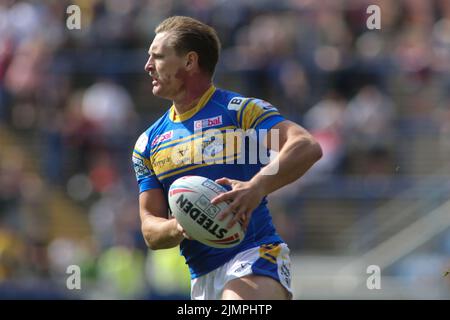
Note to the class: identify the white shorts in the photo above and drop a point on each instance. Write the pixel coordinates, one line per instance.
(270, 260)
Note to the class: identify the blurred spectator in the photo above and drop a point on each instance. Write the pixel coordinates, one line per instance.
(325, 121)
(368, 119)
(109, 107)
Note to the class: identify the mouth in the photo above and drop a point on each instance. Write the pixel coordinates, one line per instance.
(154, 80)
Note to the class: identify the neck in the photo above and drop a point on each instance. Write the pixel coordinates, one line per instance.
(193, 91)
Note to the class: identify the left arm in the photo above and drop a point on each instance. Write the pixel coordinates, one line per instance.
(298, 151)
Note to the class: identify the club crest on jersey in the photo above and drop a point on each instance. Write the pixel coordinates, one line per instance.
(162, 137)
(206, 123)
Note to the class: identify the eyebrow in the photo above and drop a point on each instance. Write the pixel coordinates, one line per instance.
(158, 55)
(154, 54)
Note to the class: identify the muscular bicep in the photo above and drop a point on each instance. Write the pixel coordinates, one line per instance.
(282, 132)
(153, 203)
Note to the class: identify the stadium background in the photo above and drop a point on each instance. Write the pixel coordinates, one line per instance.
(73, 102)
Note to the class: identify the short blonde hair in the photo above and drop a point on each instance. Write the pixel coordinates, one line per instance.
(189, 34)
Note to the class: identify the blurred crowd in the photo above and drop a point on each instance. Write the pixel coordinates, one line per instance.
(73, 102)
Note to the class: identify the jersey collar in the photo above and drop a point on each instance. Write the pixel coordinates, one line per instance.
(188, 114)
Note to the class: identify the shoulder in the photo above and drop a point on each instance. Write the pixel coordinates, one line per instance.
(228, 99)
(235, 101)
(248, 111)
(150, 134)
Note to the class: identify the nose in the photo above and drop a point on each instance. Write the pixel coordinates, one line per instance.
(148, 65)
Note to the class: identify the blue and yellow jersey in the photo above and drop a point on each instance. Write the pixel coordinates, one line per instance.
(204, 142)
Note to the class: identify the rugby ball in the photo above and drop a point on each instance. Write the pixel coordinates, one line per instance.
(190, 202)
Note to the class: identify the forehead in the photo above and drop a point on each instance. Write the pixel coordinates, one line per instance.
(161, 42)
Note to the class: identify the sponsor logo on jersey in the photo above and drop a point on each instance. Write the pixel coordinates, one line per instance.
(236, 103)
(161, 162)
(285, 274)
(162, 137)
(206, 123)
(266, 106)
(242, 267)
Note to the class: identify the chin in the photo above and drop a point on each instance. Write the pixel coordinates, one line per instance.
(156, 91)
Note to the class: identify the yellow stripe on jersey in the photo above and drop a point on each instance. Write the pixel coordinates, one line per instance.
(189, 137)
(188, 114)
(264, 117)
(270, 252)
(251, 112)
(137, 155)
(147, 162)
(243, 106)
(254, 113)
(191, 168)
(196, 151)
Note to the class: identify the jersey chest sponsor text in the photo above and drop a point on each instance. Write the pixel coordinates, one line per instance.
(162, 137)
(207, 123)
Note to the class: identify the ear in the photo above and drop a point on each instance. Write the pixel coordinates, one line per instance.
(191, 62)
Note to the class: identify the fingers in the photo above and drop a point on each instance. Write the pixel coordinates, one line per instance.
(226, 196)
(239, 214)
(224, 181)
(245, 219)
(184, 233)
(233, 204)
(234, 207)
(242, 218)
(188, 237)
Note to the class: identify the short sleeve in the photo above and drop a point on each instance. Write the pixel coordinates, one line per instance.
(143, 170)
(255, 113)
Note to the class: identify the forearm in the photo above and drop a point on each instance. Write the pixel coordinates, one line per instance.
(160, 233)
(293, 161)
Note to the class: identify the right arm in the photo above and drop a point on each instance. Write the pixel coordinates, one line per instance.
(159, 232)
